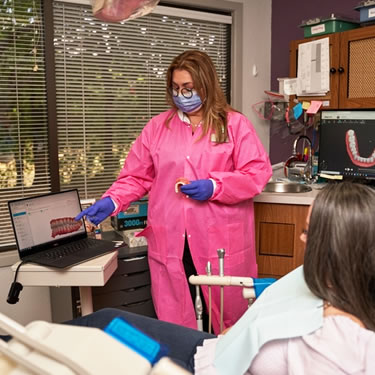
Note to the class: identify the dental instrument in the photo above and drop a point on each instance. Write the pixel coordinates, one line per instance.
(198, 308)
(208, 272)
(220, 254)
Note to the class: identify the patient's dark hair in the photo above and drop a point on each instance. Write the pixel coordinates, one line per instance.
(339, 263)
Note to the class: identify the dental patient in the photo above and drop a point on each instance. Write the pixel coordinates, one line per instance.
(318, 319)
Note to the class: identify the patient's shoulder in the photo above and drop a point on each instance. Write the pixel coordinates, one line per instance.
(340, 346)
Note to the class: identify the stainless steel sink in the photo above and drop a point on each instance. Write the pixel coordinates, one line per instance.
(286, 187)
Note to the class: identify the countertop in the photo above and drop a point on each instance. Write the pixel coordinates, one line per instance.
(290, 198)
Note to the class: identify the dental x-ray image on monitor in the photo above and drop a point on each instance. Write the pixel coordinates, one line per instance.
(347, 143)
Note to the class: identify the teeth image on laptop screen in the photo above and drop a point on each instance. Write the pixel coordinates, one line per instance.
(64, 225)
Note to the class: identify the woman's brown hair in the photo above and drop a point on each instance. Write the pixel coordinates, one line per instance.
(339, 264)
(215, 106)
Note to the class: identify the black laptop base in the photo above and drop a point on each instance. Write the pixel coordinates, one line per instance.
(71, 254)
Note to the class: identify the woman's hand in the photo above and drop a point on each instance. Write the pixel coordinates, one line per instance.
(200, 190)
(99, 211)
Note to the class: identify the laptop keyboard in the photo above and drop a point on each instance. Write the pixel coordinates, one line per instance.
(71, 248)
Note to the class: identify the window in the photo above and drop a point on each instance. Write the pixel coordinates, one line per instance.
(110, 80)
(24, 163)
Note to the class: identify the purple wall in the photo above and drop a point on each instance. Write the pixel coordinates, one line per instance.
(287, 15)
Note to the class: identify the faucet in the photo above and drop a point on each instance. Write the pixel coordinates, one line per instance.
(307, 174)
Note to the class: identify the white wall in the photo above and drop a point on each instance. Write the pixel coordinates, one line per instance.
(256, 50)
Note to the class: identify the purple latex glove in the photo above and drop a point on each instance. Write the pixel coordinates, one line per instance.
(99, 211)
(200, 190)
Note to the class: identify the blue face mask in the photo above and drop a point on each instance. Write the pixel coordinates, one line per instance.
(188, 105)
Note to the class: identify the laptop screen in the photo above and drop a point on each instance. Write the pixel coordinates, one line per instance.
(46, 221)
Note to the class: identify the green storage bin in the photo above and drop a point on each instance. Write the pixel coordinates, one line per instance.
(318, 26)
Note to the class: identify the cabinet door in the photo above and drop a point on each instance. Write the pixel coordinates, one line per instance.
(357, 68)
(278, 227)
(331, 99)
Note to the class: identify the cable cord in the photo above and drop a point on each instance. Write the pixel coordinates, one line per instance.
(16, 287)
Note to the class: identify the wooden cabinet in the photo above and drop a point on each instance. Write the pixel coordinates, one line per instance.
(277, 232)
(352, 68)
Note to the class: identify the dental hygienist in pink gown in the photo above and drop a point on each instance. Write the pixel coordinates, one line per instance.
(216, 148)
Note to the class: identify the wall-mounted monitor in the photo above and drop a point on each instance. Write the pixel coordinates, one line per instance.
(347, 143)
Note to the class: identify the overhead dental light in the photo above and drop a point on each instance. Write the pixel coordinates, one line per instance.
(121, 10)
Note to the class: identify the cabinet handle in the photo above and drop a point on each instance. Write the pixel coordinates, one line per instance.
(341, 69)
(333, 70)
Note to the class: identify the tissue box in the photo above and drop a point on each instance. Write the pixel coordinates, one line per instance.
(131, 240)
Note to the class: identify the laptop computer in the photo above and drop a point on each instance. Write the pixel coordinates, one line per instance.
(47, 234)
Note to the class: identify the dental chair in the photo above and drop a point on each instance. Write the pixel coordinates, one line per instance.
(43, 348)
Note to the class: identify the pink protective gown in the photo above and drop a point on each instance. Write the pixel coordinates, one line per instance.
(240, 167)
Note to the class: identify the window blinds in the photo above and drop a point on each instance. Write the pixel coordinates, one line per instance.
(24, 163)
(110, 80)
